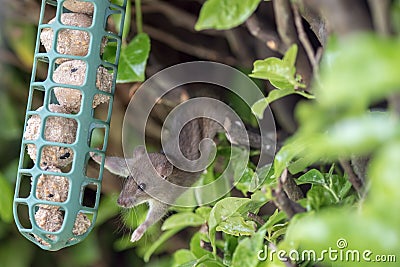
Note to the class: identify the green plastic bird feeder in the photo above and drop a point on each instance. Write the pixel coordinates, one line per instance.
(62, 129)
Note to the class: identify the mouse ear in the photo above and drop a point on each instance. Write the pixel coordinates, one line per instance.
(164, 169)
(139, 151)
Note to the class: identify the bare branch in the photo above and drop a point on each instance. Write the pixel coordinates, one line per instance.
(380, 15)
(270, 38)
(353, 178)
(190, 49)
(303, 36)
(282, 201)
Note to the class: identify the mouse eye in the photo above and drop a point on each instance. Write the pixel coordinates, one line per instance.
(142, 187)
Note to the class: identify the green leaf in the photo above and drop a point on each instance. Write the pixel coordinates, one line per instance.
(230, 246)
(223, 14)
(245, 254)
(259, 107)
(290, 56)
(133, 59)
(319, 196)
(161, 240)
(227, 207)
(237, 226)
(248, 182)
(313, 176)
(200, 252)
(6, 200)
(275, 218)
(204, 212)
(183, 219)
(275, 70)
(280, 72)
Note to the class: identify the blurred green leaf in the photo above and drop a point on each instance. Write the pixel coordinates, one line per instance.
(395, 15)
(182, 219)
(363, 71)
(223, 15)
(108, 208)
(83, 254)
(161, 240)
(6, 200)
(183, 256)
(11, 128)
(9, 255)
(324, 229)
(245, 254)
(384, 172)
(319, 196)
(133, 59)
(21, 38)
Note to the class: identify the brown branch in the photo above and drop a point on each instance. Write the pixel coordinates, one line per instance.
(315, 20)
(380, 16)
(189, 49)
(288, 34)
(342, 16)
(282, 201)
(268, 37)
(290, 187)
(256, 218)
(303, 36)
(353, 178)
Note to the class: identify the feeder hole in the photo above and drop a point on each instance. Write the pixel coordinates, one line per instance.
(25, 185)
(23, 216)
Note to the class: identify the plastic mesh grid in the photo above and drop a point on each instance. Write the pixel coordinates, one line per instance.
(27, 205)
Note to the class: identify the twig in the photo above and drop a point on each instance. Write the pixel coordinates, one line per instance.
(290, 187)
(269, 37)
(353, 178)
(303, 36)
(284, 22)
(288, 35)
(256, 218)
(177, 16)
(282, 201)
(380, 15)
(189, 49)
(315, 20)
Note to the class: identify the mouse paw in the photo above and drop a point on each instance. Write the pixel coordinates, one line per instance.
(137, 234)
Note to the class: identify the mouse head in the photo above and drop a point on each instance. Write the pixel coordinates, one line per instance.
(143, 176)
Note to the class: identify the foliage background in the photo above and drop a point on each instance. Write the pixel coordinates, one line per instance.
(321, 167)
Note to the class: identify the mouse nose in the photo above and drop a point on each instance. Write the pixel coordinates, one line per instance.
(122, 202)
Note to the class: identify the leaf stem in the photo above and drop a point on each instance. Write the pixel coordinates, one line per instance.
(138, 14)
